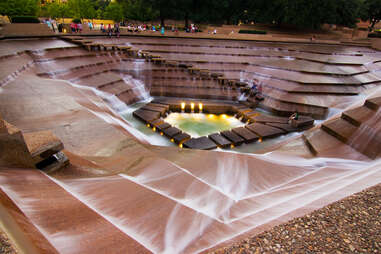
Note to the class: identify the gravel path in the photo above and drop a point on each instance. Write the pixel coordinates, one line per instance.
(351, 225)
(5, 245)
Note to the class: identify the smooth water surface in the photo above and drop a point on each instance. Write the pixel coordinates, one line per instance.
(198, 124)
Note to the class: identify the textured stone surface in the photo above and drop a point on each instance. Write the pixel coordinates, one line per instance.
(181, 138)
(220, 140)
(171, 132)
(202, 143)
(247, 135)
(265, 131)
(233, 137)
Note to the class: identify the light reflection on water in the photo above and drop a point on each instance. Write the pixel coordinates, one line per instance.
(198, 125)
(155, 138)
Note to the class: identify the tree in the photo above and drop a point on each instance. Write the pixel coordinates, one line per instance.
(58, 10)
(371, 10)
(166, 9)
(19, 7)
(114, 11)
(82, 8)
(139, 10)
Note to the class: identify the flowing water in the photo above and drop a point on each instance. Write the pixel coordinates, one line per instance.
(189, 201)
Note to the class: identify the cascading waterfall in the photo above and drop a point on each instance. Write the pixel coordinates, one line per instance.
(138, 86)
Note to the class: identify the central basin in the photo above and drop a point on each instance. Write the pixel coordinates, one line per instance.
(199, 124)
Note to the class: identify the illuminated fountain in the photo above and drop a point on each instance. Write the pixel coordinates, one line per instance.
(183, 200)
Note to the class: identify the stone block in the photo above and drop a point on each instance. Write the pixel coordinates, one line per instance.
(374, 103)
(202, 143)
(233, 137)
(145, 115)
(247, 135)
(265, 131)
(162, 126)
(181, 138)
(171, 132)
(340, 128)
(283, 126)
(220, 140)
(359, 115)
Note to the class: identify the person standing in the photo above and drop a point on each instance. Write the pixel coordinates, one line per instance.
(117, 30)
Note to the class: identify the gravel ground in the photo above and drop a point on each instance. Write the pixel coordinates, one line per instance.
(5, 245)
(351, 225)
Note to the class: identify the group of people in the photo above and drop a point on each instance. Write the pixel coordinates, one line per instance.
(54, 25)
(76, 27)
(115, 30)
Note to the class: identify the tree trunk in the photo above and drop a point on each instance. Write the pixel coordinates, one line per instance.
(186, 20)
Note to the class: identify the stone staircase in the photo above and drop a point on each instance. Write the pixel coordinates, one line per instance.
(358, 128)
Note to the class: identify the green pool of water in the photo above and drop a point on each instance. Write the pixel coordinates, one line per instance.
(198, 125)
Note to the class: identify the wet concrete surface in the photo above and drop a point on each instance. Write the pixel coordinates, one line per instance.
(122, 194)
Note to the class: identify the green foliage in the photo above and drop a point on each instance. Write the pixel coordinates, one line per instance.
(371, 10)
(25, 19)
(139, 10)
(305, 13)
(12, 8)
(82, 8)
(242, 31)
(114, 11)
(58, 10)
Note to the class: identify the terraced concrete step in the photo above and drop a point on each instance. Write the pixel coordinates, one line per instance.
(374, 103)
(286, 108)
(320, 141)
(340, 128)
(357, 116)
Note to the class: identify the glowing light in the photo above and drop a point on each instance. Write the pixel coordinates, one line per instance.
(154, 128)
(232, 146)
(192, 106)
(148, 125)
(181, 145)
(260, 140)
(211, 116)
(200, 107)
(172, 140)
(224, 116)
(182, 105)
(161, 133)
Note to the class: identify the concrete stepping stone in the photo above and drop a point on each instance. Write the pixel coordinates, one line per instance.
(220, 140)
(283, 126)
(303, 121)
(145, 115)
(171, 132)
(202, 143)
(161, 110)
(233, 137)
(246, 134)
(265, 131)
(161, 127)
(181, 138)
(269, 119)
